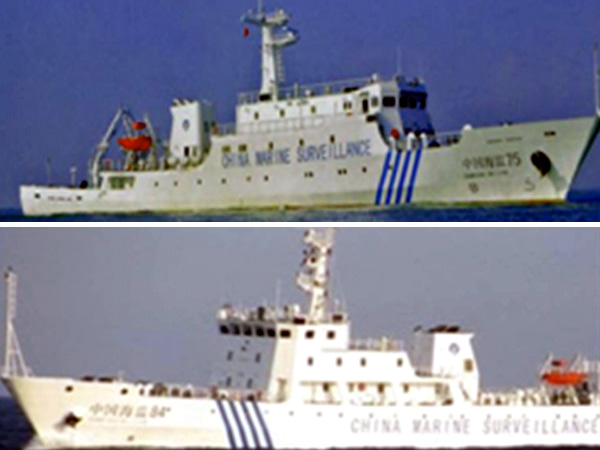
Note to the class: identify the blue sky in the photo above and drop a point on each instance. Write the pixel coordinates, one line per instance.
(143, 301)
(68, 64)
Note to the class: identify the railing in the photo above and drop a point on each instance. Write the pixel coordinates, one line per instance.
(381, 344)
(298, 91)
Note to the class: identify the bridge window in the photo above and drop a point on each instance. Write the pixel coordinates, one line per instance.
(247, 330)
(260, 331)
(331, 334)
(224, 329)
(285, 333)
(310, 334)
(271, 332)
(389, 101)
(235, 329)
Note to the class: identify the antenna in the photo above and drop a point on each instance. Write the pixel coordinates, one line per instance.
(596, 81)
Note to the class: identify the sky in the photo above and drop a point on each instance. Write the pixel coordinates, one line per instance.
(142, 301)
(68, 64)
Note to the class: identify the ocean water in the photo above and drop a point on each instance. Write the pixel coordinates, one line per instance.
(582, 207)
(15, 433)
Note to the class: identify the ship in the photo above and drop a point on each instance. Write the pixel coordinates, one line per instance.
(292, 377)
(359, 143)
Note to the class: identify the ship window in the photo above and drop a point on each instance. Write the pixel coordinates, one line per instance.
(223, 180)
(226, 149)
(271, 332)
(260, 331)
(399, 362)
(285, 333)
(266, 177)
(186, 152)
(310, 334)
(310, 361)
(235, 329)
(257, 358)
(363, 362)
(412, 102)
(468, 365)
(331, 334)
(347, 105)
(351, 387)
(381, 388)
(271, 146)
(175, 183)
(550, 133)
(403, 102)
(224, 329)
(332, 139)
(229, 355)
(156, 184)
(69, 388)
(247, 330)
(313, 109)
(339, 361)
(364, 169)
(282, 113)
(375, 102)
(249, 383)
(256, 116)
(301, 142)
(365, 106)
(118, 183)
(248, 178)
(198, 182)
(406, 387)
(175, 392)
(243, 148)
(37, 195)
(423, 102)
(389, 102)
(325, 387)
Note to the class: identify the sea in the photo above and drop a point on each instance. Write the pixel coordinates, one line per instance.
(582, 206)
(16, 434)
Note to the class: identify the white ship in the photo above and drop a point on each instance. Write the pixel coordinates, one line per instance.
(292, 378)
(364, 142)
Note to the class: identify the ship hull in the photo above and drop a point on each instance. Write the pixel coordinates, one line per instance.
(487, 165)
(115, 414)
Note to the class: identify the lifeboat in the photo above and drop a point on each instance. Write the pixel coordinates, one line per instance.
(136, 143)
(559, 378)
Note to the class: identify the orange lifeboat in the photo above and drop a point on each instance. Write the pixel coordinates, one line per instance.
(136, 143)
(558, 378)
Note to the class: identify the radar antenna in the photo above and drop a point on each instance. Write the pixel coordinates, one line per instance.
(314, 275)
(14, 363)
(275, 36)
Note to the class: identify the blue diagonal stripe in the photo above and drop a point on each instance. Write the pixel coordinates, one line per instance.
(249, 420)
(413, 176)
(263, 424)
(230, 437)
(384, 171)
(236, 417)
(403, 177)
(388, 197)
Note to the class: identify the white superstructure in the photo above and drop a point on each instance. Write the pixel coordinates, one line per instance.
(362, 142)
(294, 378)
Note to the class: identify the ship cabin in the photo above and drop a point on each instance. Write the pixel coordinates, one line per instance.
(299, 115)
(278, 355)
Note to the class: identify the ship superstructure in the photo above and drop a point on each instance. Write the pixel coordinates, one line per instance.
(360, 142)
(293, 378)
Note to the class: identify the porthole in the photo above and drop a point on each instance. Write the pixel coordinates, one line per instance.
(123, 391)
(69, 388)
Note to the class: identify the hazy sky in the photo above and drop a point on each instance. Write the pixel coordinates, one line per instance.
(102, 300)
(68, 64)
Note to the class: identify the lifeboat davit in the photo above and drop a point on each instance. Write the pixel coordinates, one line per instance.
(136, 143)
(557, 378)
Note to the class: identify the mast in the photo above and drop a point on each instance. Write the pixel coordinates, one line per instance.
(314, 274)
(275, 36)
(14, 363)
